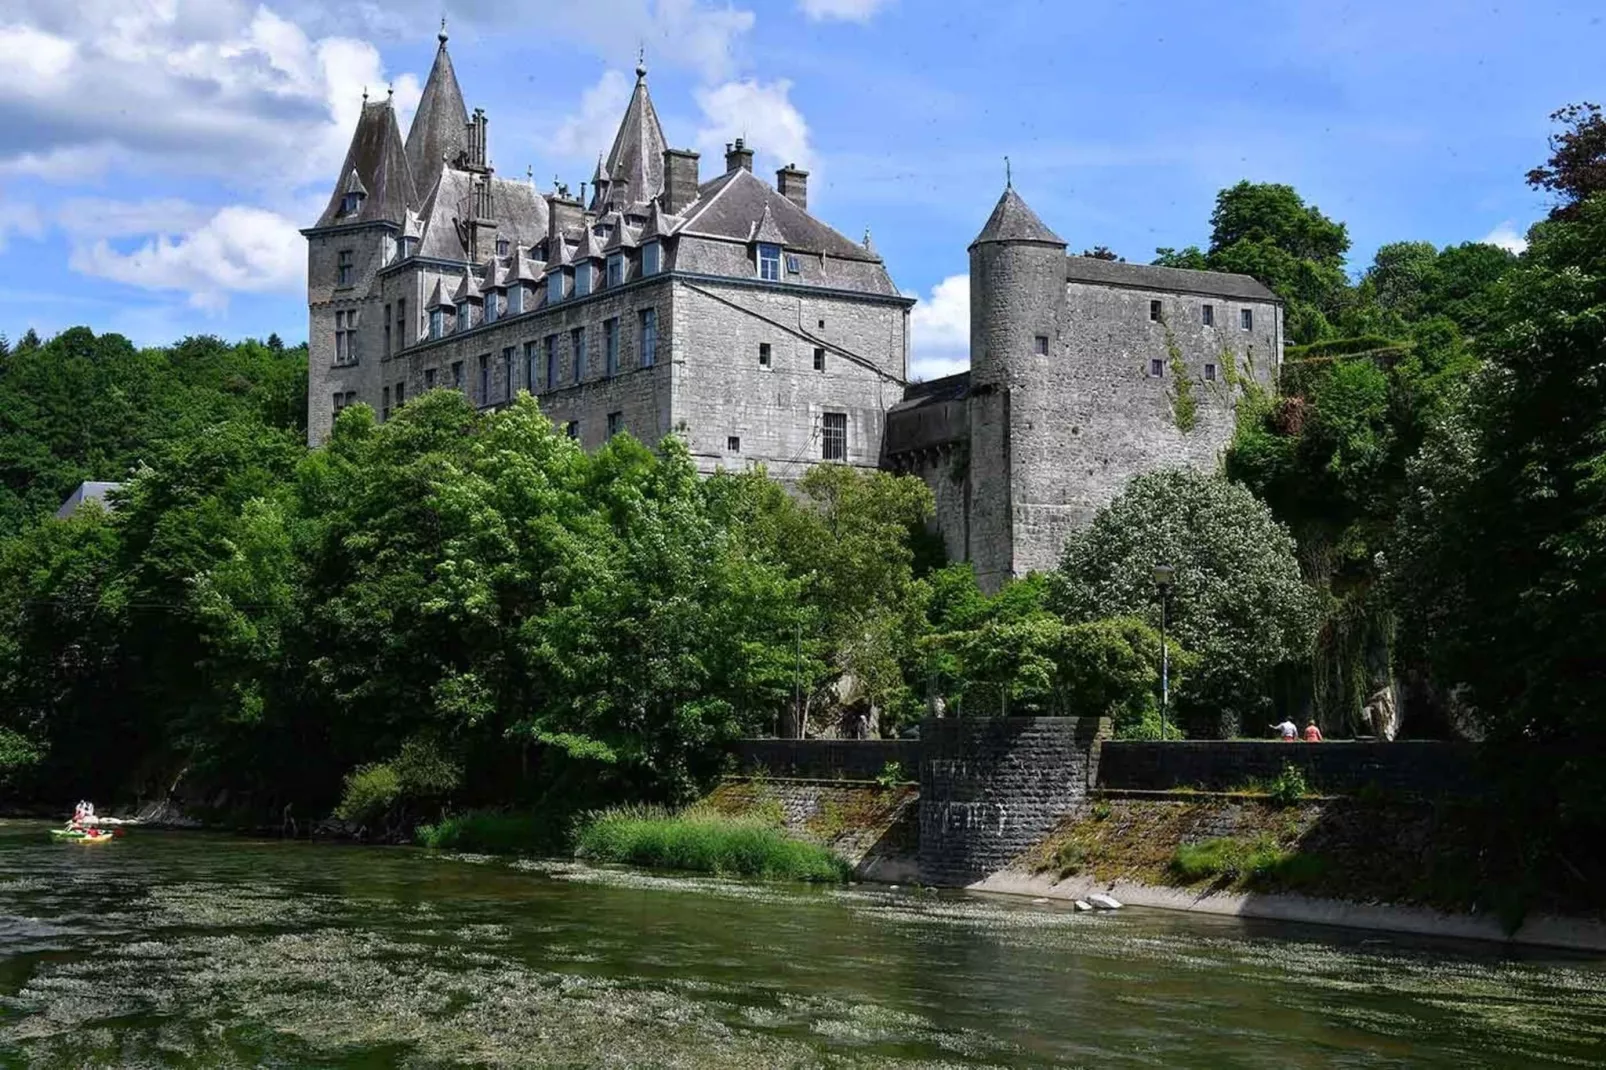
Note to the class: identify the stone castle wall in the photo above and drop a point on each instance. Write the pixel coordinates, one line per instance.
(1419, 768)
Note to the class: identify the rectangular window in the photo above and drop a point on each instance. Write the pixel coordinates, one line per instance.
(819, 358)
(763, 354)
(507, 373)
(572, 429)
(834, 436)
(346, 268)
(792, 265)
(491, 307)
(610, 346)
(652, 258)
(551, 362)
(616, 423)
(1208, 315)
(1247, 318)
(457, 375)
(1040, 345)
(463, 316)
(1154, 311)
(529, 366)
(1156, 367)
(340, 402)
(515, 299)
(582, 279)
(577, 347)
(401, 394)
(1210, 373)
(387, 331)
(733, 444)
(429, 378)
(616, 269)
(554, 287)
(401, 324)
(503, 247)
(769, 263)
(340, 337)
(437, 322)
(649, 337)
(485, 378)
(346, 337)
(384, 408)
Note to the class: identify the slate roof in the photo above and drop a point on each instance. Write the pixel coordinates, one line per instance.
(1014, 221)
(440, 125)
(636, 160)
(731, 204)
(468, 289)
(438, 297)
(954, 387)
(1173, 280)
(520, 213)
(86, 492)
(379, 166)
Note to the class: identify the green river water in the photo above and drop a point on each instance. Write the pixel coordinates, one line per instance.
(192, 950)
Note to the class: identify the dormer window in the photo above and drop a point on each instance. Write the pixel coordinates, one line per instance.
(616, 269)
(652, 258)
(769, 262)
(462, 316)
(515, 299)
(503, 247)
(409, 247)
(350, 203)
(437, 322)
(582, 278)
(490, 307)
(793, 267)
(554, 287)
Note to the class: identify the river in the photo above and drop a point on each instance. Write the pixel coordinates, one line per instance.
(175, 949)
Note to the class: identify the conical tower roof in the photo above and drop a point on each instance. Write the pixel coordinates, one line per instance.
(376, 167)
(440, 126)
(637, 156)
(1014, 221)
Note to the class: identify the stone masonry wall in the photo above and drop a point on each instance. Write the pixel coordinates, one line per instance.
(1411, 767)
(992, 788)
(826, 759)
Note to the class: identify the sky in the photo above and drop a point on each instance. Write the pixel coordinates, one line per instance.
(160, 156)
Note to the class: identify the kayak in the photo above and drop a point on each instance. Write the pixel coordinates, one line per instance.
(80, 836)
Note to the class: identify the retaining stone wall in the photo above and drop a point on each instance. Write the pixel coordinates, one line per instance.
(1417, 767)
(992, 788)
(827, 759)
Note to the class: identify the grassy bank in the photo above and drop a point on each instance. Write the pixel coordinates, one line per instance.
(700, 841)
(495, 832)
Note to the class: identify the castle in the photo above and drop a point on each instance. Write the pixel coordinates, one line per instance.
(722, 311)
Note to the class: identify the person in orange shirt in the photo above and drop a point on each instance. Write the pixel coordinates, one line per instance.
(1312, 733)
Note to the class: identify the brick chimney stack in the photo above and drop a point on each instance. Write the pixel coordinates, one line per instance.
(680, 179)
(793, 185)
(738, 155)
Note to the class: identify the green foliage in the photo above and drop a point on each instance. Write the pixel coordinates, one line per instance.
(1184, 406)
(1576, 169)
(1238, 602)
(493, 832)
(1257, 863)
(892, 775)
(704, 843)
(1288, 787)
(369, 792)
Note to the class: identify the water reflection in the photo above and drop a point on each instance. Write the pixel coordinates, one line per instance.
(193, 950)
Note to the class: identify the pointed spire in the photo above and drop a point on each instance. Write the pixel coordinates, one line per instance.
(1014, 221)
(440, 126)
(376, 170)
(636, 160)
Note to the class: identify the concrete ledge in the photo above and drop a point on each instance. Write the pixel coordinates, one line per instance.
(1576, 934)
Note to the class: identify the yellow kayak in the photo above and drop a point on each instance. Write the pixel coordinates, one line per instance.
(81, 836)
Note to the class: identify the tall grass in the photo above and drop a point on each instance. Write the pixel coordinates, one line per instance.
(1259, 863)
(704, 842)
(494, 832)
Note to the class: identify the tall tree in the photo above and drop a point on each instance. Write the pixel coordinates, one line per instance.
(1576, 169)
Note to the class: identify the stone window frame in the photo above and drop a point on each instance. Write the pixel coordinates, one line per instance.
(1207, 315)
(769, 262)
(550, 347)
(1210, 373)
(503, 247)
(1156, 310)
(733, 443)
(1156, 368)
(429, 378)
(345, 268)
(384, 409)
(577, 353)
(457, 375)
(1040, 345)
(1246, 318)
(507, 372)
(532, 350)
(833, 436)
(647, 321)
(610, 347)
(766, 356)
(616, 423)
(819, 358)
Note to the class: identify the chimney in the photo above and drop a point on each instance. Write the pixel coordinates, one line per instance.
(793, 185)
(473, 157)
(738, 155)
(680, 180)
(566, 214)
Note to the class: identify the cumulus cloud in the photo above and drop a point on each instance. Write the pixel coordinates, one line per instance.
(1507, 237)
(842, 10)
(19, 217)
(762, 113)
(236, 249)
(940, 330)
(589, 132)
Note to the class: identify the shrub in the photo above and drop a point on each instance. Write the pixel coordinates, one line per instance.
(700, 842)
(1102, 810)
(1070, 857)
(1289, 787)
(892, 775)
(1259, 863)
(493, 832)
(369, 792)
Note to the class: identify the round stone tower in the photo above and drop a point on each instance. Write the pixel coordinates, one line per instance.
(1017, 319)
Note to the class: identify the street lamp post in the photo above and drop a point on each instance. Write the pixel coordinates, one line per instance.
(1163, 577)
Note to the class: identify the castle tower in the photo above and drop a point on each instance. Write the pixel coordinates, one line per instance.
(439, 133)
(1017, 325)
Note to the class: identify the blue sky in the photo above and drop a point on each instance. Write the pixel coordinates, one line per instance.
(161, 154)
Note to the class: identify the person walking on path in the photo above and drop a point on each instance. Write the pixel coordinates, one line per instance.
(1312, 733)
(1288, 731)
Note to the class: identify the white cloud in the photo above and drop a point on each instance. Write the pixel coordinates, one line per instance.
(589, 132)
(1506, 236)
(237, 249)
(940, 330)
(19, 217)
(842, 10)
(763, 114)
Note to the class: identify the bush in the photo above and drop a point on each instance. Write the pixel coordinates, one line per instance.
(1289, 787)
(369, 792)
(892, 775)
(494, 832)
(701, 842)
